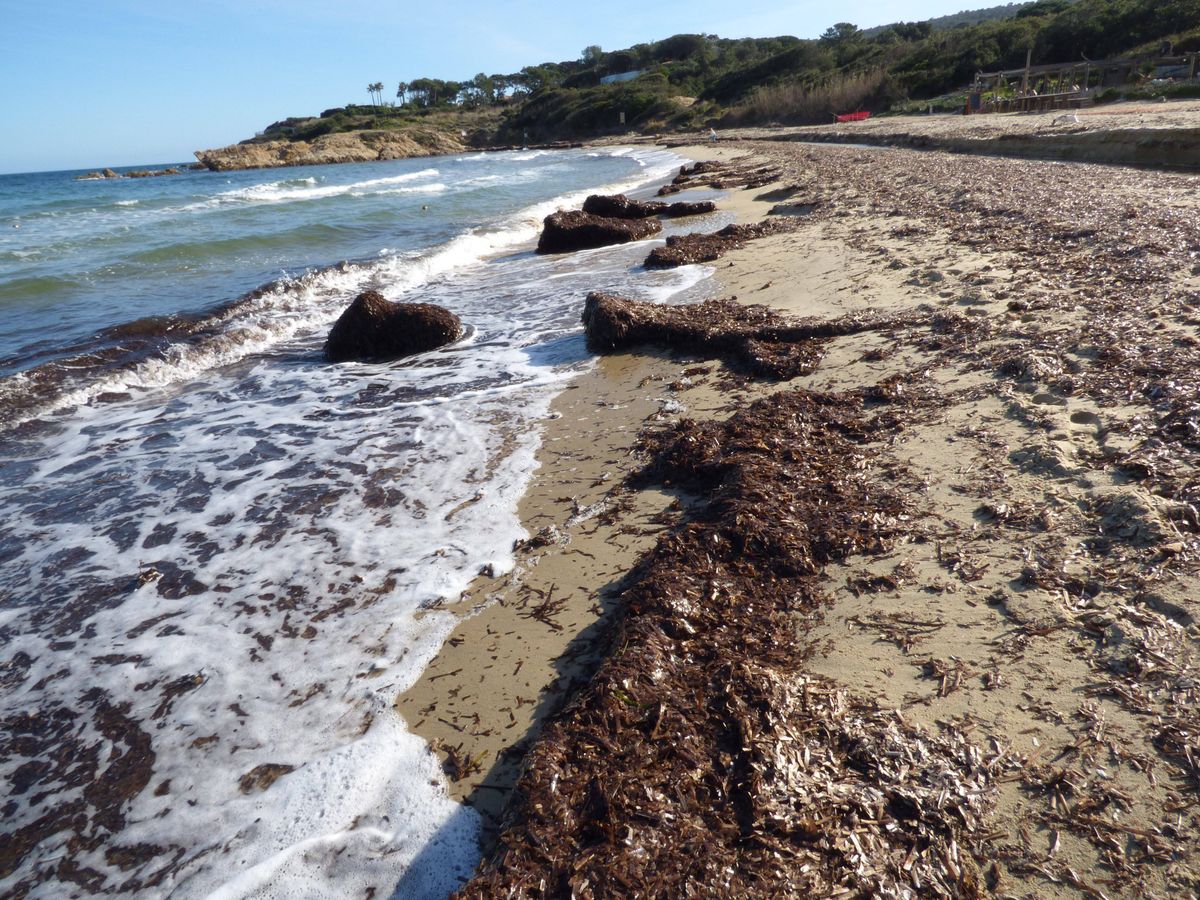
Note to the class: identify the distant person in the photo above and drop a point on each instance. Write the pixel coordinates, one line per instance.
(712, 134)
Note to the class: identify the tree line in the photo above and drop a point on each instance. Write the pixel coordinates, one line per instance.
(723, 80)
(691, 58)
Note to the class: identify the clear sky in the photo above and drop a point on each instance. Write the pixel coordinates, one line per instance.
(128, 82)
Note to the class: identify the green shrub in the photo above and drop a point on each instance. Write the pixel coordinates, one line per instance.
(1181, 91)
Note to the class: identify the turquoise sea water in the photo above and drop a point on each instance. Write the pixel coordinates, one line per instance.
(221, 555)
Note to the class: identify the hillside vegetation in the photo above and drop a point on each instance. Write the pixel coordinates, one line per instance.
(690, 81)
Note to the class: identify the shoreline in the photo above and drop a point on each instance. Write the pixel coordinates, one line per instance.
(1151, 135)
(1044, 550)
(1154, 135)
(543, 627)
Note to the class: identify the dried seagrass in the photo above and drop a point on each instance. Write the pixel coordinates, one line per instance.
(700, 761)
(686, 249)
(618, 206)
(761, 340)
(716, 174)
(1101, 307)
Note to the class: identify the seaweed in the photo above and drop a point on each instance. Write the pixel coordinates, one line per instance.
(687, 249)
(701, 760)
(720, 175)
(760, 340)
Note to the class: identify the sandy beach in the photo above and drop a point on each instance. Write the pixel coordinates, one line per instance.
(1162, 134)
(988, 688)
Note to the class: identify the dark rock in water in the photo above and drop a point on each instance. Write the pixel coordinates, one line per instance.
(109, 173)
(608, 320)
(372, 327)
(563, 232)
(618, 206)
(97, 176)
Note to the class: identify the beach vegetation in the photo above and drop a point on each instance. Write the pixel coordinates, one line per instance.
(695, 80)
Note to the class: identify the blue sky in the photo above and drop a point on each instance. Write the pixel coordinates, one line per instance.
(127, 82)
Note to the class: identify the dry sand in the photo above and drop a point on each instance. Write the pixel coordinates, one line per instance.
(1175, 116)
(1041, 599)
(1161, 134)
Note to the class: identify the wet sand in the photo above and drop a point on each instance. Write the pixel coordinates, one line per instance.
(1027, 623)
(530, 638)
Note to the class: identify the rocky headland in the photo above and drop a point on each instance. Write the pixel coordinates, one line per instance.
(346, 147)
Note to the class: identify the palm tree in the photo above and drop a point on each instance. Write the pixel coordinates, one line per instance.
(402, 92)
(375, 89)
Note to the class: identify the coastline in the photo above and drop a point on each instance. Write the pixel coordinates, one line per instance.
(529, 639)
(1043, 555)
(1153, 135)
(363, 494)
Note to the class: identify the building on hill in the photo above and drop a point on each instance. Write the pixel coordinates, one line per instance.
(621, 77)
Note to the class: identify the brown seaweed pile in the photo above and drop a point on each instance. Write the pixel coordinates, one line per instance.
(720, 175)
(687, 249)
(1085, 304)
(701, 761)
(566, 231)
(753, 337)
(618, 206)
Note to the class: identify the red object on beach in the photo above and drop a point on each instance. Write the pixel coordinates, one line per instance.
(853, 117)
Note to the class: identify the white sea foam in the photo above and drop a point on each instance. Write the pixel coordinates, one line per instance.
(275, 537)
(300, 306)
(436, 188)
(278, 523)
(525, 156)
(292, 190)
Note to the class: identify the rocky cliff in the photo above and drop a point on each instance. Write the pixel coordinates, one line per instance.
(353, 146)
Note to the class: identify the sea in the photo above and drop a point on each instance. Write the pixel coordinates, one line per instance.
(223, 557)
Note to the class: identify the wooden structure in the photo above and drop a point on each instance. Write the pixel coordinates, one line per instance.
(1072, 85)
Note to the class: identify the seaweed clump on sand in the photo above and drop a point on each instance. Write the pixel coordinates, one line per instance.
(701, 760)
(720, 175)
(618, 206)
(753, 337)
(686, 249)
